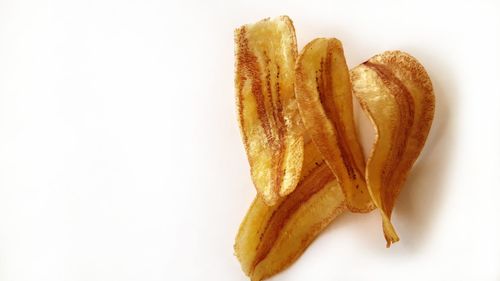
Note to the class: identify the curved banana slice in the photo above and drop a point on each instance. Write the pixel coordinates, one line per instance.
(271, 238)
(396, 93)
(268, 115)
(324, 95)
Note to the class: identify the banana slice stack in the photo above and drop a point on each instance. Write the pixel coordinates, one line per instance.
(295, 113)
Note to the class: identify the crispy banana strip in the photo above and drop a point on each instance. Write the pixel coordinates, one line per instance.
(268, 115)
(324, 95)
(396, 92)
(272, 237)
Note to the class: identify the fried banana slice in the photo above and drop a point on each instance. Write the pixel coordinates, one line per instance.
(324, 95)
(396, 93)
(271, 238)
(267, 111)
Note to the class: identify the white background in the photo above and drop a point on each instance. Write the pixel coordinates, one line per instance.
(121, 159)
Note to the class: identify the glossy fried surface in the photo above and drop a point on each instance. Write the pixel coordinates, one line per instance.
(268, 116)
(324, 95)
(272, 237)
(396, 93)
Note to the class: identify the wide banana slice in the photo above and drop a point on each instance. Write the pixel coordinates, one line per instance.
(268, 115)
(396, 93)
(272, 237)
(324, 95)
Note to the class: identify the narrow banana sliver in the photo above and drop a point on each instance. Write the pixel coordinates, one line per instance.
(268, 115)
(272, 237)
(396, 93)
(324, 96)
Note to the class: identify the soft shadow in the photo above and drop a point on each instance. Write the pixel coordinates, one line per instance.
(423, 193)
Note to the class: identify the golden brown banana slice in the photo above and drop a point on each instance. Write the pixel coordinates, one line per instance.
(324, 95)
(268, 115)
(396, 92)
(272, 237)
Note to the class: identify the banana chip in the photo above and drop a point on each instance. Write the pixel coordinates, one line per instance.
(324, 95)
(272, 237)
(268, 115)
(396, 93)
